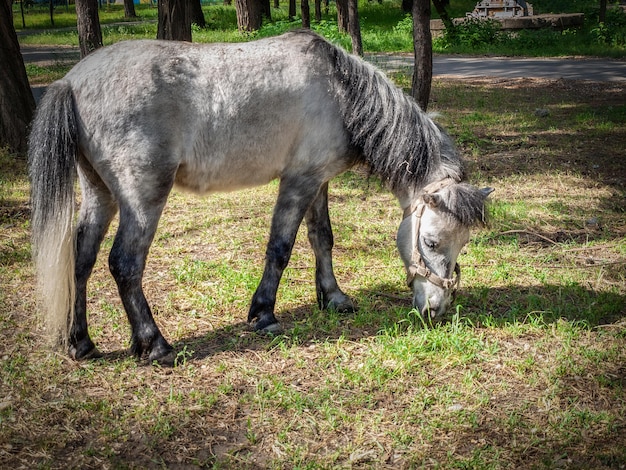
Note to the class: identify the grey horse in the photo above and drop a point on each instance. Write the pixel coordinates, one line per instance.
(134, 119)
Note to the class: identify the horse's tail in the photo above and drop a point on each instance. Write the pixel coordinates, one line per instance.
(52, 165)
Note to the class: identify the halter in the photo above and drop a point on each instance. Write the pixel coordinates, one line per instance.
(418, 266)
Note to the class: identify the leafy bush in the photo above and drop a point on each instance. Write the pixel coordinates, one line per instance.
(613, 31)
(404, 26)
(472, 32)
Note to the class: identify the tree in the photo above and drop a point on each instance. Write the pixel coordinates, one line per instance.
(249, 14)
(266, 9)
(306, 14)
(88, 25)
(440, 6)
(129, 9)
(292, 9)
(602, 12)
(354, 27)
(174, 20)
(423, 47)
(17, 104)
(197, 16)
(342, 16)
(51, 8)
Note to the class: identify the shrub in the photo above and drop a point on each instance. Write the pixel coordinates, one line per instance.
(472, 32)
(613, 31)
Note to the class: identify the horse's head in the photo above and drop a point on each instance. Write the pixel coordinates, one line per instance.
(435, 228)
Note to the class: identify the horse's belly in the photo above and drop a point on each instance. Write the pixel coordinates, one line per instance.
(211, 178)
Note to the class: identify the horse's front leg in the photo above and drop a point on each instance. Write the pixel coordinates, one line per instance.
(294, 198)
(329, 295)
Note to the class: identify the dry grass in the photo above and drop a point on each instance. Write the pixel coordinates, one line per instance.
(529, 373)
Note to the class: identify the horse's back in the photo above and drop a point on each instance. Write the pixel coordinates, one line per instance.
(225, 115)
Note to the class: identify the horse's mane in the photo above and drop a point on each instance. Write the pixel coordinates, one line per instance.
(398, 141)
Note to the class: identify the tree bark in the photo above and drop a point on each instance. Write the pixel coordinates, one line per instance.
(197, 16)
(423, 47)
(174, 20)
(129, 9)
(88, 25)
(318, 10)
(292, 9)
(249, 14)
(343, 18)
(17, 104)
(51, 8)
(266, 9)
(354, 28)
(440, 6)
(602, 12)
(306, 14)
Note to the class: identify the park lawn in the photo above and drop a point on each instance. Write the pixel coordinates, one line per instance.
(384, 28)
(527, 371)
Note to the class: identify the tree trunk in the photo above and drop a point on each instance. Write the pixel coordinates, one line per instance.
(276, 4)
(342, 16)
(306, 14)
(88, 25)
(51, 8)
(440, 6)
(602, 12)
(197, 16)
(129, 9)
(16, 98)
(174, 20)
(422, 44)
(354, 27)
(249, 14)
(292, 9)
(266, 9)
(318, 10)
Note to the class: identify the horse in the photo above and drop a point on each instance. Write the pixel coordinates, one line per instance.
(132, 120)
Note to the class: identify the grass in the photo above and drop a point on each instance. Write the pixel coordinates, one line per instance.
(384, 28)
(527, 371)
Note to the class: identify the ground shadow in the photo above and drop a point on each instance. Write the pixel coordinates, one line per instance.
(384, 305)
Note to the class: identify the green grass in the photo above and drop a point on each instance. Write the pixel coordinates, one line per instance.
(527, 371)
(384, 27)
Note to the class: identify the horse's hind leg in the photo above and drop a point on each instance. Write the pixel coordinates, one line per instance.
(96, 211)
(139, 216)
(294, 197)
(320, 233)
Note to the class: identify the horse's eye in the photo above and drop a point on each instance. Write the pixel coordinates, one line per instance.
(430, 243)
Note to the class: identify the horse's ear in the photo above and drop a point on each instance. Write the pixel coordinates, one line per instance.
(487, 191)
(433, 200)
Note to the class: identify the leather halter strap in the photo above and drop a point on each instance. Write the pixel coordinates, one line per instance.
(418, 266)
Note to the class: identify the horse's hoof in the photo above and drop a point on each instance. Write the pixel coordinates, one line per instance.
(162, 353)
(340, 304)
(167, 359)
(84, 351)
(273, 330)
(268, 325)
(342, 307)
